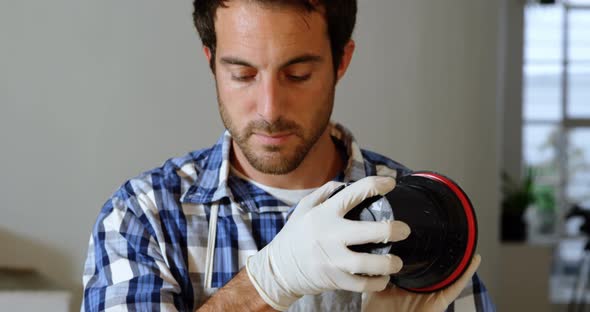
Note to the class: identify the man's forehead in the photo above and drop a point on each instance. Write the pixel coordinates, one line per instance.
(248, 26)
(280, 16)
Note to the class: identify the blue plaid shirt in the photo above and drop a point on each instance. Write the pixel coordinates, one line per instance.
(169, 238)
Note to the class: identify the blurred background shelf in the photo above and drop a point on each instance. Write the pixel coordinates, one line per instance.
(27, 290)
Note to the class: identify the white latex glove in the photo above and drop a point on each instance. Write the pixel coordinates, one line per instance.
(397, 299)
(310, 254)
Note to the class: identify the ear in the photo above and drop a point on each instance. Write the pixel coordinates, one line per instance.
(346, 58)
(209, 56)
(207, 53)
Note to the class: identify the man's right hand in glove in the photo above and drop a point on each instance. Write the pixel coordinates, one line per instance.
(310, 254)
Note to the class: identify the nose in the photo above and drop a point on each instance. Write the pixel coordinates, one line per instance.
(269, 105)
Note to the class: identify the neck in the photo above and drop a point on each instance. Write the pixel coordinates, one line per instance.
(322, 164)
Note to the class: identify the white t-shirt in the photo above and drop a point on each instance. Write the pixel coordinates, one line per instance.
(289, 197)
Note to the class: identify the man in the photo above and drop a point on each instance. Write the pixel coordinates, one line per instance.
(202, 231)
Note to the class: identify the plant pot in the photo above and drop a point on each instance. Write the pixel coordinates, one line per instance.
(513, 228)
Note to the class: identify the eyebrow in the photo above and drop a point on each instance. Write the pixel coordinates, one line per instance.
(305, 58)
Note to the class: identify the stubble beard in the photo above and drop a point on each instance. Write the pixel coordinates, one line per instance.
(274, 159)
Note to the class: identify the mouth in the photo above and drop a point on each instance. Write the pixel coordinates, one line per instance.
(272, 139)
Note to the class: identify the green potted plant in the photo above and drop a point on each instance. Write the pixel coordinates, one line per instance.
(517, 196)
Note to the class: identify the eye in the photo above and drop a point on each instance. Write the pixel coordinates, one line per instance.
(242, 73)
(299, 78)
(242, 78)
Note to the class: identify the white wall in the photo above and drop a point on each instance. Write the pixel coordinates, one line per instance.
(94, 92)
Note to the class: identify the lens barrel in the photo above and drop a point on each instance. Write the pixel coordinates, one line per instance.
(443, 230)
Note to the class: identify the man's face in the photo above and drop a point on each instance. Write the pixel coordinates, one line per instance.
(275, 81)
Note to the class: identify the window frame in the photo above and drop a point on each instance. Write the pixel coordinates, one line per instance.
(566, 123)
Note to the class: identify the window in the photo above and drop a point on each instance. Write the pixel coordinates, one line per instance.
(556, 128)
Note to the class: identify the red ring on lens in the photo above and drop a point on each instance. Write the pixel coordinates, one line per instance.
(471, 231)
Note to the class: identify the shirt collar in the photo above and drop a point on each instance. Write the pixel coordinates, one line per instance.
(214, 182)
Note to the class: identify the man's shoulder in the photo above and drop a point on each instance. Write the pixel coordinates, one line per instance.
(378, 164)
(181, 167)
(174, 176)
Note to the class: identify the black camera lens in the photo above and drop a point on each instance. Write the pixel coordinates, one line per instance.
(443, 230)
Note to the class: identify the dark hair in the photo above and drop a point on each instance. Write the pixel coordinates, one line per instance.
(340, 17)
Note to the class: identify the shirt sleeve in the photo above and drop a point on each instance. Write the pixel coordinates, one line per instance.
(124, 268)
(474, 298)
